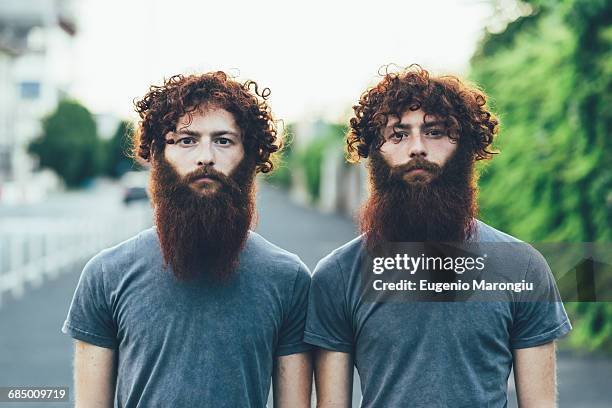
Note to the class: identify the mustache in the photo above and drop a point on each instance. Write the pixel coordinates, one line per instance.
(416, 164)
(209, 172)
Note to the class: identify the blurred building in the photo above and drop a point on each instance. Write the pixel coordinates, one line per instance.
(7, 108)
(304, 133)
(36, 70)
(342, 187)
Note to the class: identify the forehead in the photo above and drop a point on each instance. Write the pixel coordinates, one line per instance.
(412, 118)
(208, 119)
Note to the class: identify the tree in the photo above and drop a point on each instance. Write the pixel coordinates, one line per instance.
(282, 160)
(69, 144)
(118, 161)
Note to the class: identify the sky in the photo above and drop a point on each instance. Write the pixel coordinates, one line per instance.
(316, 56)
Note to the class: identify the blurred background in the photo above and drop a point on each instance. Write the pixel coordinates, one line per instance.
(70, 70)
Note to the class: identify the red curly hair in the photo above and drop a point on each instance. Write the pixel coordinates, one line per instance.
(162, 107)
(463, 108)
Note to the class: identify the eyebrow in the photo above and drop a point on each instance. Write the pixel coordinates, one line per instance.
(406, 126)
(423, 126)
(216, 133)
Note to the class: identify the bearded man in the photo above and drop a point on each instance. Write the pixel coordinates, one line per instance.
(422, 135)
(199, 310)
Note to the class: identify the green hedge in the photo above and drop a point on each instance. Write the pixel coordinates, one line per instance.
(550, 79)
(281, 174)
(311, 157)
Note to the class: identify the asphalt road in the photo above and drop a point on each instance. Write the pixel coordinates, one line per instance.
(33, 351)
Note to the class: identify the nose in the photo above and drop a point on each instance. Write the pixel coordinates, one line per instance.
(417, 149)
(206, 155)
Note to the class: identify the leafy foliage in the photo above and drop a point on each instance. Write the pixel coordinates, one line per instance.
(311, 158)
(281, 175)
(69, 144)
(550, 77)
(118, 160)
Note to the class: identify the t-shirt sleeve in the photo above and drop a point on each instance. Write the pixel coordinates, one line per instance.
(292, 331)
(540, 317)
(89, 317)
(328, 324)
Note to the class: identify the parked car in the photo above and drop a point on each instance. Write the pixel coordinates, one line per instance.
(134, 183)
(134, 194)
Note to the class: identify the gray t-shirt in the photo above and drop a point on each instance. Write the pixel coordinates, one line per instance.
(429, 354)
(192, 344)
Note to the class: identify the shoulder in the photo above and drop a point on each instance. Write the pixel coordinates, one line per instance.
(350, 250)
(122, 256)
(340, 261)
(263, 255)
(486, 233)
(511, 249)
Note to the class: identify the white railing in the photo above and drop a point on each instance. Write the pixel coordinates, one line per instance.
(32, 249)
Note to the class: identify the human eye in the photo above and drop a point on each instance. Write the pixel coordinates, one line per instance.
(187, 141)
(435, 133)
(397, 137)
(224, 141)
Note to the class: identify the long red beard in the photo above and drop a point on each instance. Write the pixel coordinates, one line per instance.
(202, 234)
(442, 210)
